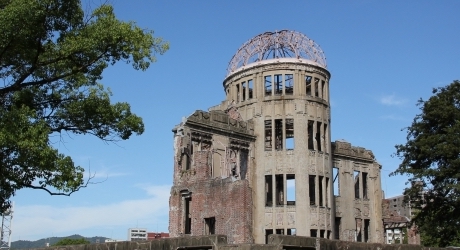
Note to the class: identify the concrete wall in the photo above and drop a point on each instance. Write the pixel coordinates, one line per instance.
(219, 242)
(358, 205)
(303, 160)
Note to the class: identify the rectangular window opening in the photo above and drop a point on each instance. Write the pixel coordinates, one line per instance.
(291, 231)
(280, 231)
(325, 138)
(312, 189)
(278, 134)
(289, 84)
(279, 186)
(327, 192)
(244, 153)
(269, 190)
(290, 183)
(243, 91)
(321, 233)
(358, 230)
(310, 135)
(337, 227)
(268, 232)
(320, 184)
(188, 217)
(364, 185)
(250, 89)
(323, 84)
(308, 85)
(317, 87)
(329, 234)
(289, 134)
(335, 175)
(356, 178)
(188, 158)
(268, 135)
(318, 136)
(268, 85)
(278, 84)
(210, 225)
(366, 230)
(313, 233)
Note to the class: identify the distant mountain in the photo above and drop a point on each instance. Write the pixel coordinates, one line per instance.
(26, 244)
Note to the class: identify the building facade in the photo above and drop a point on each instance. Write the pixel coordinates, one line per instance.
(137, 234)
(153, 235)
(397, 215)
(262, 162)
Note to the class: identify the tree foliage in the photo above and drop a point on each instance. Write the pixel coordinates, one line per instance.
(431, 159)
(68, 241)
(52, 55)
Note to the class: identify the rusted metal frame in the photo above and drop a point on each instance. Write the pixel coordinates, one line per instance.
(280, 44)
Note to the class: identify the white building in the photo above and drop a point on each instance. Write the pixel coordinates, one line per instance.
(111, 240)
(137, 234)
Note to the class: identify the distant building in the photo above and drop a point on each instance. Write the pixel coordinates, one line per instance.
(152, 235)
(137, 234)
(397, 206)
(396, 221)
(111, 240)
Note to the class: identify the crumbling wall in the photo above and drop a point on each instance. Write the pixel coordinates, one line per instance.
(227, 200)
(211, 192)
(358, 205)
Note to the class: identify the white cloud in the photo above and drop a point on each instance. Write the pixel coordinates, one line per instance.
(39, 221)
(394, 118)
(101, 174)
(392, 100)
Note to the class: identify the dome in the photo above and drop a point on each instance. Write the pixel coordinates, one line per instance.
(278, 44)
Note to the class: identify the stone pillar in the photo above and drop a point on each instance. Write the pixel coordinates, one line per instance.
(259, 87)
(302, 85)
(313, 86)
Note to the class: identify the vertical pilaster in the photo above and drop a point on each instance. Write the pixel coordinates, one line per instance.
(313, 86)
(297, 83)
(302, 84)
(259, 87)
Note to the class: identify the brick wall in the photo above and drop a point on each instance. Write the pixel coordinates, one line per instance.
(228, 200)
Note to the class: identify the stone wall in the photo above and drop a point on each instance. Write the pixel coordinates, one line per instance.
(219, 242)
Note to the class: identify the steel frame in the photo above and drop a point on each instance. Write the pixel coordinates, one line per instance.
(278, 44)
(5, 230)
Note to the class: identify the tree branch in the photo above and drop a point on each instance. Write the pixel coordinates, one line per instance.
(88, 182)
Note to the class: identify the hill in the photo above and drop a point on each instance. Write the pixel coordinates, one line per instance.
(26, 244)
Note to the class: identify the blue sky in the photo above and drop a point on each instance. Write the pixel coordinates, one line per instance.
(383, 56)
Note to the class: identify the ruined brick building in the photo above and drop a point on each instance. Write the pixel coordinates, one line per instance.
(235, 164)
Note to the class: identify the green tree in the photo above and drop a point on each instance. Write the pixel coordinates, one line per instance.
(431, 159)
(68, 241)
(52, 55)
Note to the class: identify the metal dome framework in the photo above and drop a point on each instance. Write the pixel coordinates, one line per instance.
(278, 44)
